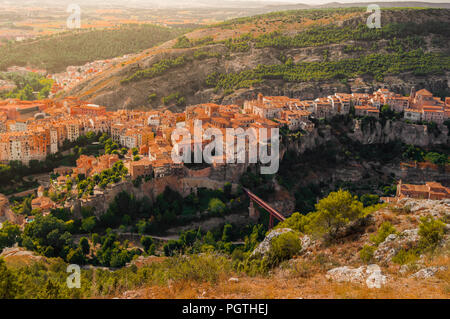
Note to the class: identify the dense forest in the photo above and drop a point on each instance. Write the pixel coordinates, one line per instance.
(54, 53)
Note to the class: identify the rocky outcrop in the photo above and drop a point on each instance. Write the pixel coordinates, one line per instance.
(394, 243)
(392, 131)
(428, 272)
(370, 275)
(435, 208)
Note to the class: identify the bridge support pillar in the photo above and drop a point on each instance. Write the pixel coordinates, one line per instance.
(253, 212)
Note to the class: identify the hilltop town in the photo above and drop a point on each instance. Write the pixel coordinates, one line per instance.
(295, 154)
(140, 141)
(32, 130)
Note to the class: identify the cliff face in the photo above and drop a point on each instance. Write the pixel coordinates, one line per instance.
(418, 135)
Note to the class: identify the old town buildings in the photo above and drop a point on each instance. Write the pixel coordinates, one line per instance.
(430, 190)
(33, 130)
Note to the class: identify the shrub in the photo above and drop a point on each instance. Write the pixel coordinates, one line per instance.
(384, 230)
(404, 257)
(284, 247)
(366, 253)
(431, 232)
(216, 206)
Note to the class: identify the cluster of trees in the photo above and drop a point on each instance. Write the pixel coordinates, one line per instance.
(174, 98)
(184, 42)
(156, 69)
(109, 176)
(377, 65)
(415, 153)
(322, 35)
(26, 85)
(240, 44)
(54, 53)
(194, 241)
(53, 237)
(290, 16)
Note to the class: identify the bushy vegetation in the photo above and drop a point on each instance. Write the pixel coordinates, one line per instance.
(283, 247)
(377, 65)
(26, 85)
(156, 69)
(174, 98)
(431, 232)
(415, 153)
(366, 253)
(54, 53)
(322, 35)
(184, 42)
(385, 229)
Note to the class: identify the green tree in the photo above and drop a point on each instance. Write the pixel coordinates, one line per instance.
(216, 206)
(370, 199)
(9, 233)
(147, 242)
(88, 224)
(335, 211)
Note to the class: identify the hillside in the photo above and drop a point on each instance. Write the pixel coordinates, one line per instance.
(300, 53)
(399, 264)
(54, 53)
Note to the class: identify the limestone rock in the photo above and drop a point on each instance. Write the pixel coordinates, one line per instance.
(393, 243)
(370, 275)
(427, 272)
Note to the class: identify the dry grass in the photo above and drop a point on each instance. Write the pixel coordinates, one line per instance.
(317, 286)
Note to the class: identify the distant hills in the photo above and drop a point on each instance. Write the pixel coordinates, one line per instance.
(383, 4)
(297, 53)
(267, 4)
